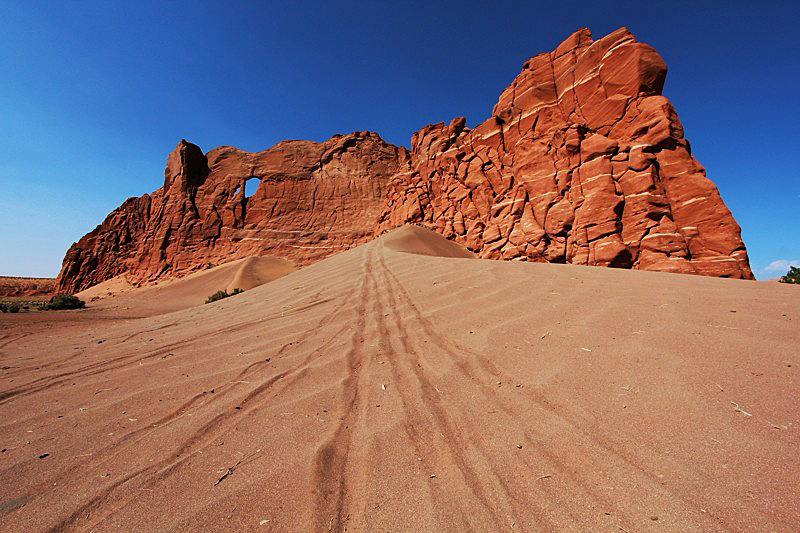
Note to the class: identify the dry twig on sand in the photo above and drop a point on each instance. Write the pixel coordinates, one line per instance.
(740, 410)
(230, 469)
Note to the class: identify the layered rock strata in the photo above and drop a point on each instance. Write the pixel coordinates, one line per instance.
(582, 161)
(312, 200)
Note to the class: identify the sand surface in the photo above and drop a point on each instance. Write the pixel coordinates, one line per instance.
(119, 297)
(387, 390)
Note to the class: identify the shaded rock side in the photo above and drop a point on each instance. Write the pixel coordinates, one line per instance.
(312, 200)
(582, 161)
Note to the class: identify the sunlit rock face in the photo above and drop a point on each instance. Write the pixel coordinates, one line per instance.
(582, 161)
(311, 200)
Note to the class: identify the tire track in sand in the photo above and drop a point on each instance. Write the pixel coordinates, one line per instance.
(560, 461)
(210, 431)
(330, 472)
(221, 423)
(431, 419)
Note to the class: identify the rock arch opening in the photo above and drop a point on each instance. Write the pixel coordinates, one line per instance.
(251, 186)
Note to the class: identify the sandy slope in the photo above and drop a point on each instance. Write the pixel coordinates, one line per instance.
(173, 295)
(381, 390)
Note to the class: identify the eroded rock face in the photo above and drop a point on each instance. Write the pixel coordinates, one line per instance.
(583, 161)
(24, 288)
(313, 200)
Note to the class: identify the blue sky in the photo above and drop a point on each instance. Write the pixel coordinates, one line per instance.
(94, 95)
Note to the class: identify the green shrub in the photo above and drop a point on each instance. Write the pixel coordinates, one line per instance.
(64, 301)
(219, 295)
(3, 308)
(793, 276)
(13, 307)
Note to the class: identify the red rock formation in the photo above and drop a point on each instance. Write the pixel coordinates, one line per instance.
(314, 200)
(583, 161)
(26, 288)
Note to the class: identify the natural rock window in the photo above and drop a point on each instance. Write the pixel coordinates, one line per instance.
(250, 186)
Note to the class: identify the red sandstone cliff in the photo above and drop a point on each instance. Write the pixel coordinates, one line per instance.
(314, 200)
(582, 161)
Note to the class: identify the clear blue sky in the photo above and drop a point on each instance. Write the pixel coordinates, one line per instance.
(94, 95)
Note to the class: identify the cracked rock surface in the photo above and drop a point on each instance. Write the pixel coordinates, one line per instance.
(582, 161)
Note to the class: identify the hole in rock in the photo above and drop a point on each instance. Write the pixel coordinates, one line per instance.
(250, 186)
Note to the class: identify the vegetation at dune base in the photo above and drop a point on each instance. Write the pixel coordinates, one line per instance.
(793, 276)
(219, 295)
(63, 301)
(9, 307)
(57, 302)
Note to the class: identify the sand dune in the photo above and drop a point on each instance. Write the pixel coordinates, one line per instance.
(192, 290)
(381, 390)
(422, 241)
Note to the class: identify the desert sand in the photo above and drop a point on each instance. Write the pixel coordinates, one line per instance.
(14, 288)
(118, 296)
(405, 386)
